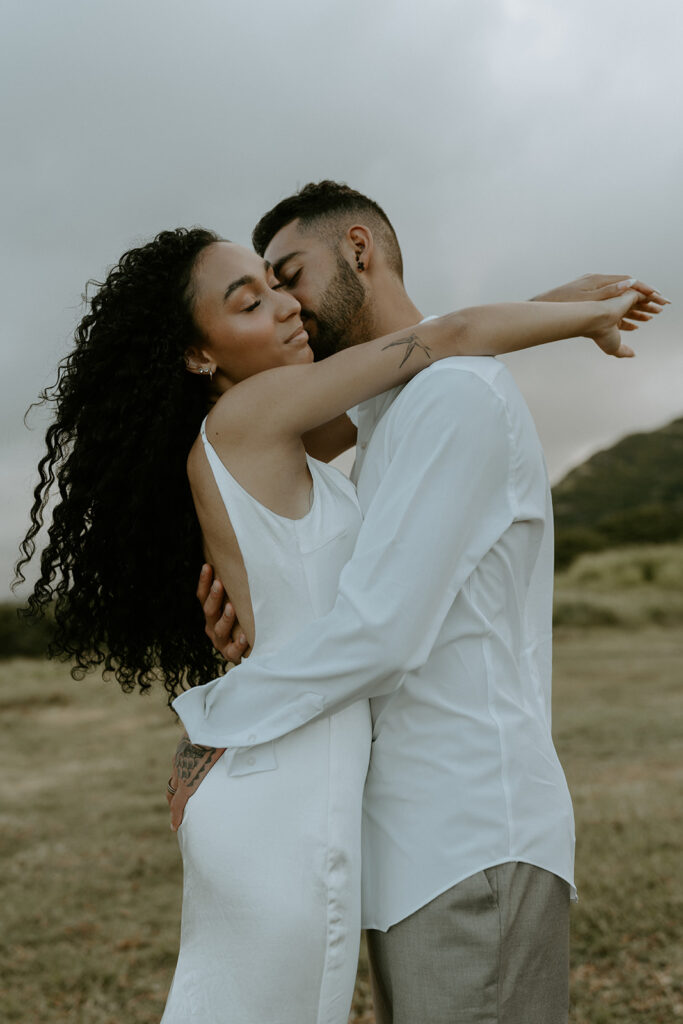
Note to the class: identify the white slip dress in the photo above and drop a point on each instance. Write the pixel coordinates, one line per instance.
(271, 839)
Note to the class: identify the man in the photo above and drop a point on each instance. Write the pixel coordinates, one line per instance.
(444, 620)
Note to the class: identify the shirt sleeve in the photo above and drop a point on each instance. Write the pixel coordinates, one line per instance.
(444, 501)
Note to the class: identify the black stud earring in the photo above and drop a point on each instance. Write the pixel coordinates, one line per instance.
(359, 262)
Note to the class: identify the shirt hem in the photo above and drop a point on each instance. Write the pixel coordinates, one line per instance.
(573, 895)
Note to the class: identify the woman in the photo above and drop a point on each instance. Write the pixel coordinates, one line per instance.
(271, 840)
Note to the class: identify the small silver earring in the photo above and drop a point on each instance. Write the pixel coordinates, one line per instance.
(207, 369)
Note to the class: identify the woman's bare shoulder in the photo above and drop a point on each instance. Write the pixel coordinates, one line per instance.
(257, 410)
(195, 458)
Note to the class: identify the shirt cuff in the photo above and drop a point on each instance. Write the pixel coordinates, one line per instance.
(210, 721)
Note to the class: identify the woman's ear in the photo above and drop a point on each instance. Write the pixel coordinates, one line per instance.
(360, 244)
(197, 361)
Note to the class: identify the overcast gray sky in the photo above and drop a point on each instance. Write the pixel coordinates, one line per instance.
(515, 144)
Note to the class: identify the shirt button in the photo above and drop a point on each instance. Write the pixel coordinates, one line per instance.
(364, 445)
(251, 759)
(252, 738)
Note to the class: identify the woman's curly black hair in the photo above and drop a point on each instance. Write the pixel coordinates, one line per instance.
(124, 545)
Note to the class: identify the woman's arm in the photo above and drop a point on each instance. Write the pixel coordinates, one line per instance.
(292, 400)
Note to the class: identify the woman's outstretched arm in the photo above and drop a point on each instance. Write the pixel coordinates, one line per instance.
(289, 401)
(329, 440)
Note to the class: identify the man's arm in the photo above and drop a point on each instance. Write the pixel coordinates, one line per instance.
(444, 501)
(332, 439)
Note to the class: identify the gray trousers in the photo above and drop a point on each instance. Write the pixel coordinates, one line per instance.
(494, 949)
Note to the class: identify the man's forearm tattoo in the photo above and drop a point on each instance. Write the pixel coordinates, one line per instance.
(412, 342)
(192, 762)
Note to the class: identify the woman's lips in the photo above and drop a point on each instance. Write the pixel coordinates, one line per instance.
(299, 335)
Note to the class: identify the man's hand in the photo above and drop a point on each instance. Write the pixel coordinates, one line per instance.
(191, 764)
(222, 627)
(607, 286)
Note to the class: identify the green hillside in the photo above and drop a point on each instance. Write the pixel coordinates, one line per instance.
(631, 493)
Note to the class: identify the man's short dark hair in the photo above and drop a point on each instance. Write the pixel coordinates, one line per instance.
(327, 207)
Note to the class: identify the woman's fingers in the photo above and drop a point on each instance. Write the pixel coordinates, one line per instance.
(636, 314)
(225, 632)
(618, 285)
(646, 306)
(227, 636)
(204, 583)
(615, 286)
(625, 303)
(195, 761)
(212, 596)
(640, 286)
(213, 607)
(172, 789)
(649, 307)
(225, 622)
(177, 804)
(236, 649)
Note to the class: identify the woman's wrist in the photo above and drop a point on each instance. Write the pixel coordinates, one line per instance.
(599, 318)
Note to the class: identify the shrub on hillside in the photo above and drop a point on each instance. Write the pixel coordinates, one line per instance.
(658, 565)
(21, 639)
(647, 524)
(629, 587)
(573, 541)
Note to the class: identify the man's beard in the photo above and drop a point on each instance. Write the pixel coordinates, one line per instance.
(340, 320)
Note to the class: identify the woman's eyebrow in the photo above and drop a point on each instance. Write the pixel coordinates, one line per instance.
(246, 279)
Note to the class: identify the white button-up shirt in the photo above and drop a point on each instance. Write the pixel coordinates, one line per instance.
(443, 618)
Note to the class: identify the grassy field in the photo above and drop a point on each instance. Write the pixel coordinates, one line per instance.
(91, 876)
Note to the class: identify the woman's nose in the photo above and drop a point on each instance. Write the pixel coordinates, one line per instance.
(288, 305)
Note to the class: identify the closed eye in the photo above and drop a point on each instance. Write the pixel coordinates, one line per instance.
(257, 302)
(290, 281)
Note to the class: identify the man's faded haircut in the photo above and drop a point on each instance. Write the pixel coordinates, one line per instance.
(329, 208)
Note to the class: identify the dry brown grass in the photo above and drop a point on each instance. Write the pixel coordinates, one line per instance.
(91, 874)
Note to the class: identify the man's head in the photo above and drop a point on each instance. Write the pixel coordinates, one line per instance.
(333, 248)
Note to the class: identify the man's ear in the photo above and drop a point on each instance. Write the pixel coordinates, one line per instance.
(198, 361)
(360, 246)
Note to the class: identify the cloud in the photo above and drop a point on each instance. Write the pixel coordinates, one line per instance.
(515, 144)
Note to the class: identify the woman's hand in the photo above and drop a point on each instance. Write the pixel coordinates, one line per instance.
(191, 764)
(616, 314)
(222, 627)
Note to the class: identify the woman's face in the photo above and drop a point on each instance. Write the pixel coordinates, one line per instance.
(247, 321)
